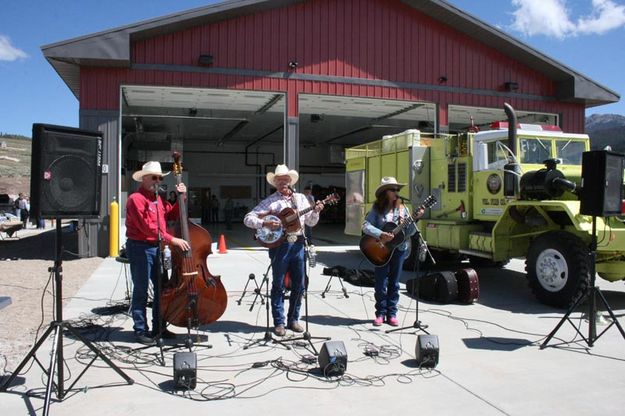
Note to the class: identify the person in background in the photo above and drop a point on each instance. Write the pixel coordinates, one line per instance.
(289, 255)
(388, 207)
(146, 213)
(23, 206)
(228, 213)
(214, 209)
(173, 197)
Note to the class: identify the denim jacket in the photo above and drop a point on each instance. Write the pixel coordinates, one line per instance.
(374, 221)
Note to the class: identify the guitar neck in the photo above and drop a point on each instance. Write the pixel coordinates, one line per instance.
(310, 208)
(403, 225)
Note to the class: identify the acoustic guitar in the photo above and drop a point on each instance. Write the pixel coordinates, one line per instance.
(289, 218)
(378, 252)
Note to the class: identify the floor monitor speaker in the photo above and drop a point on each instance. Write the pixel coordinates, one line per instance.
(426, 350)
(333, 358)
(185, 370)
(66, 172)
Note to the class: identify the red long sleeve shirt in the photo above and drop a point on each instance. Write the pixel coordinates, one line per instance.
(141, 222)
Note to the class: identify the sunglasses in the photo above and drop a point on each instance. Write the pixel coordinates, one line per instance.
(157, 178)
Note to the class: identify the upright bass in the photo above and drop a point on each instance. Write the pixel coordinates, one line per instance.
(193, 296)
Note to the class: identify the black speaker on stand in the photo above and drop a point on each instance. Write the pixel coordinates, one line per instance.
(65, 183)
(602, 183)
(601, 195)
(66, 172)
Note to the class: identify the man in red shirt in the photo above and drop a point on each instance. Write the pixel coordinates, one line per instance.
(146, 213)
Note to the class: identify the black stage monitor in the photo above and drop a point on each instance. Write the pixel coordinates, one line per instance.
(66, 172)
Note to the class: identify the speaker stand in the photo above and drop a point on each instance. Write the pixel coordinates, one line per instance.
(591, 293)
(59, 327)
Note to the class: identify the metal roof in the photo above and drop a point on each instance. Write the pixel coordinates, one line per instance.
(112, 47)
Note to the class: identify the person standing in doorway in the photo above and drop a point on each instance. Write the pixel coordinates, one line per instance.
(228, 213)
(214, 207)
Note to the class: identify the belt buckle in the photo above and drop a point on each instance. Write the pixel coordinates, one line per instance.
(291, 238)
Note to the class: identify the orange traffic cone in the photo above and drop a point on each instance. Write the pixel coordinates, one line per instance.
(222, 245)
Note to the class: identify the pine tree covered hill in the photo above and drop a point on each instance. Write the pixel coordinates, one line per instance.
(606, 130)
(13, 136)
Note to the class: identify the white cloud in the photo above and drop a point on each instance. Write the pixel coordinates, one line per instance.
(606, 16)
(553, 18)
(8, 52)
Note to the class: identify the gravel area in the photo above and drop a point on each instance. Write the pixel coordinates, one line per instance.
(24, 277)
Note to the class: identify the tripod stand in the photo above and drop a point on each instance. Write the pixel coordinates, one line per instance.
(267, 337)
(306, 336)
(422, 250)
(591, 293)
(59, 326)
(334, 273)
(251, 278)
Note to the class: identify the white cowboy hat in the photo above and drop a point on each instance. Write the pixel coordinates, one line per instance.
(386, 183)
(282, 170)
(149, 168)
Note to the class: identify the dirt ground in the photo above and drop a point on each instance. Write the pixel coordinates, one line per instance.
(24, 276)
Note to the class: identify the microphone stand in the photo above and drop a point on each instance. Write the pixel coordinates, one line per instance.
(306, 334)
(160, 272)
(421, 246)
(267, 337)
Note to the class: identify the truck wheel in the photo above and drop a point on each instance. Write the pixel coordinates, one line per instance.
(480, 262)
(557, 268)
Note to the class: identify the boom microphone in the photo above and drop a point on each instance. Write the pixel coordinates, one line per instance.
(403, 198)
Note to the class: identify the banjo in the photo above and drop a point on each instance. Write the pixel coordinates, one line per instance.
(289, 218)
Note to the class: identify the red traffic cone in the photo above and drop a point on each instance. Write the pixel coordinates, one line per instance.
(222, 245)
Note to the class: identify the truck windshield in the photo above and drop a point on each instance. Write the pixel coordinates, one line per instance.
(535, 150)
(496, 155)
(570, 152)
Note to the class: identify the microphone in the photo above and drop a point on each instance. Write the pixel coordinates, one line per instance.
(291, 188)
(403, 198)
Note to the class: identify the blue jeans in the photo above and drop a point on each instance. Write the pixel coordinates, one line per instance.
(143, 268)
(387, 285)
(287, 257)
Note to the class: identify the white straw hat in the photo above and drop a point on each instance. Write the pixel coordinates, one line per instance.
(386, 183)
(282, 170)
(149, 168)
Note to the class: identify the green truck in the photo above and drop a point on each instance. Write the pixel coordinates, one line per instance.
(509, 192)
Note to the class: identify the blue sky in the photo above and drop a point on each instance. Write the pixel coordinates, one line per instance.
(586, 35)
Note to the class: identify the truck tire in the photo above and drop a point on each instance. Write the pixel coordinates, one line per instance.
(557, 268)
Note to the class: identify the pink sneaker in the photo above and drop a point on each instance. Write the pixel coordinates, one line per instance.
(393, 321)
(378, 321)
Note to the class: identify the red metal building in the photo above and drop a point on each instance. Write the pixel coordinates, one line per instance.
(426, 55)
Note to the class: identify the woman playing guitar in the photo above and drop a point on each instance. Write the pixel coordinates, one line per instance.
(388, 208)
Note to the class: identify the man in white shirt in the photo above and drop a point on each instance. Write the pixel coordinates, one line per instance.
(289, 255)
